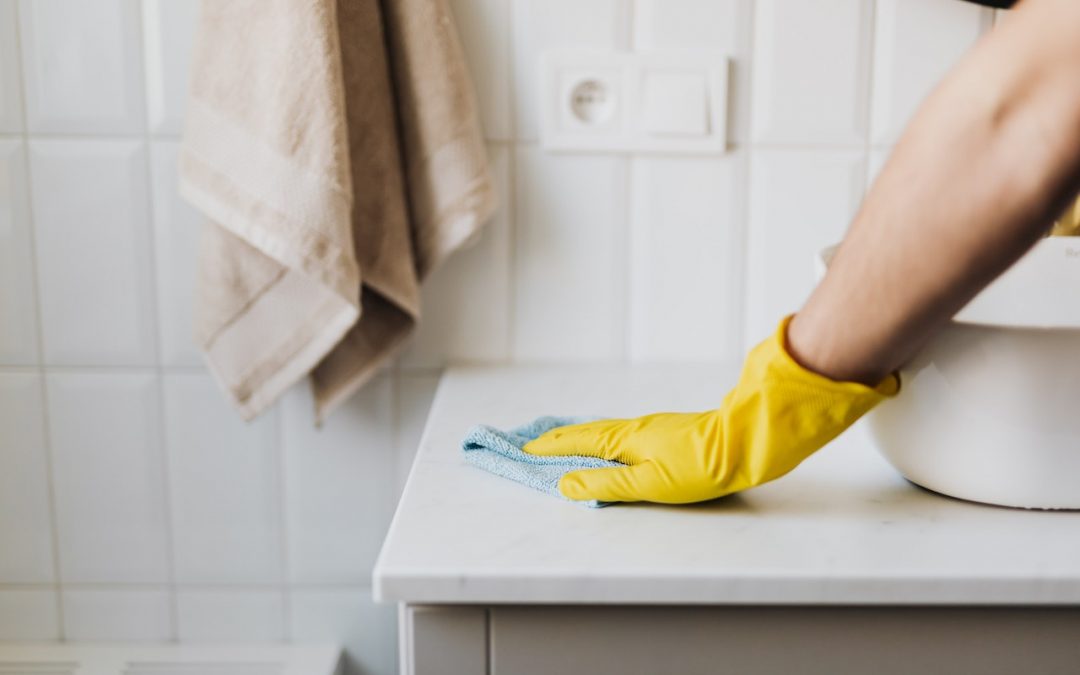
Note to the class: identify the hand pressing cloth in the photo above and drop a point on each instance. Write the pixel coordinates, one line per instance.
(500, 453)
(778, 414)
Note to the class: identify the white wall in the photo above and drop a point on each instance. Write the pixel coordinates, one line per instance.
(134, 505)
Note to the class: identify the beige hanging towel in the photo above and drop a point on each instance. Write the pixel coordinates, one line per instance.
(335, 149)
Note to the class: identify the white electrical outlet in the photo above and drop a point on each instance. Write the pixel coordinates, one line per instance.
(622, 102)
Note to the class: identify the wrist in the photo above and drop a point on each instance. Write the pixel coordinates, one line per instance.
(814, 346)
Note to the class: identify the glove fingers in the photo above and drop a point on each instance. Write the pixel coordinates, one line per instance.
(611, 484)
(587, 439)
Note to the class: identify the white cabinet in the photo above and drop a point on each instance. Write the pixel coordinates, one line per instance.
(841, 567)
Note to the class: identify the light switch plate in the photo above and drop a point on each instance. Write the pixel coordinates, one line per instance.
(605, 101)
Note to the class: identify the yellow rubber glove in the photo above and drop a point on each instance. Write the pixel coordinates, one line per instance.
(776, 416)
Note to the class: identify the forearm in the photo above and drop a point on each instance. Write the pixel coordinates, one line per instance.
(990, 159)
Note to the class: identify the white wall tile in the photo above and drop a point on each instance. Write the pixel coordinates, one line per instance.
(916, 43)
(570, 253)
(107, 476)
(176, 246)
(686, 256)
(168, 35)
(466, 303)
(223, 482)
(662, 24)
(340, 484)
(28, 615)
(800, 202)
(117, 615)
(878, 157)
(415, 392)
(367, 631)
(811, 71)
(26, 554)
(82, 66)
(10, 79)
(91, 217)
(18, 315)
(544, 24)
(229, 616)
(484, 28)
(708, 24)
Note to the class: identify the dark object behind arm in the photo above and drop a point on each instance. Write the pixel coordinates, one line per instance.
(1000, 4)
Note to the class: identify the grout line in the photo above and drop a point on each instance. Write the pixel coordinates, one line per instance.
(511, 188)
(868, 117)
(746, 168)
(283, 536)
(732, 146)
(121, 586)
(397, 403)
(91, 368)
(511, 215)
(110, 136)
(625, 245)
(512, 86)
(626, 40)
(162, 425)
(47, 436)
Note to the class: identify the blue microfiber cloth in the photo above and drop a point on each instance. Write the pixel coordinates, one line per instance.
(500, 453)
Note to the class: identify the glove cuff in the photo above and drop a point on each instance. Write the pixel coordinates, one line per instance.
(784, 364)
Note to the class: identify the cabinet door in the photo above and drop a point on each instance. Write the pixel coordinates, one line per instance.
(767, 641)
(443, 640)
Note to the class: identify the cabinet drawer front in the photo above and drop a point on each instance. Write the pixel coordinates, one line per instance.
(766, 641)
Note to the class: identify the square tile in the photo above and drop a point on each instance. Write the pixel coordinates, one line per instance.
(26, 555)
(230, 616)
(108, 477)
(366, 631)
(542, 24)
(91, 218)
(723, 25)
(484, 27)
(115, 615)
(878, 157)
(223, 483)
(686, 256)
(340, 483)
(176, 248)
(811, 63)
(82, 66)
(168, 36)
(18, 327)
(11, 121)
(415, 392)
(570, 256)
(466, 302)
(916, 44)
(800, 202)
(28, 615)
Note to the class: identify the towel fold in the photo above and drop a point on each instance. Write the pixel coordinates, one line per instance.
(335, 148)
(500, 453)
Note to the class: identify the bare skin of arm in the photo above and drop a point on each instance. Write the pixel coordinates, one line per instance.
(989, 161)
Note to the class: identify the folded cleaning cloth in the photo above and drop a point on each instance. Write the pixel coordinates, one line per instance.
(500, 453)
(334, 146)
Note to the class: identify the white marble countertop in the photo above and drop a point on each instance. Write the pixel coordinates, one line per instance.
(843, 528)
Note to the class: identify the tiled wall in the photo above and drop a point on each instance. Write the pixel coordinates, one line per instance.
(134, 505)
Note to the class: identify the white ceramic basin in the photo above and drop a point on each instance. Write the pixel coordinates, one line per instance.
(989, 410)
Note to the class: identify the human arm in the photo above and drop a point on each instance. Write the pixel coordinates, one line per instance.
(988, 161)
(991, 157)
